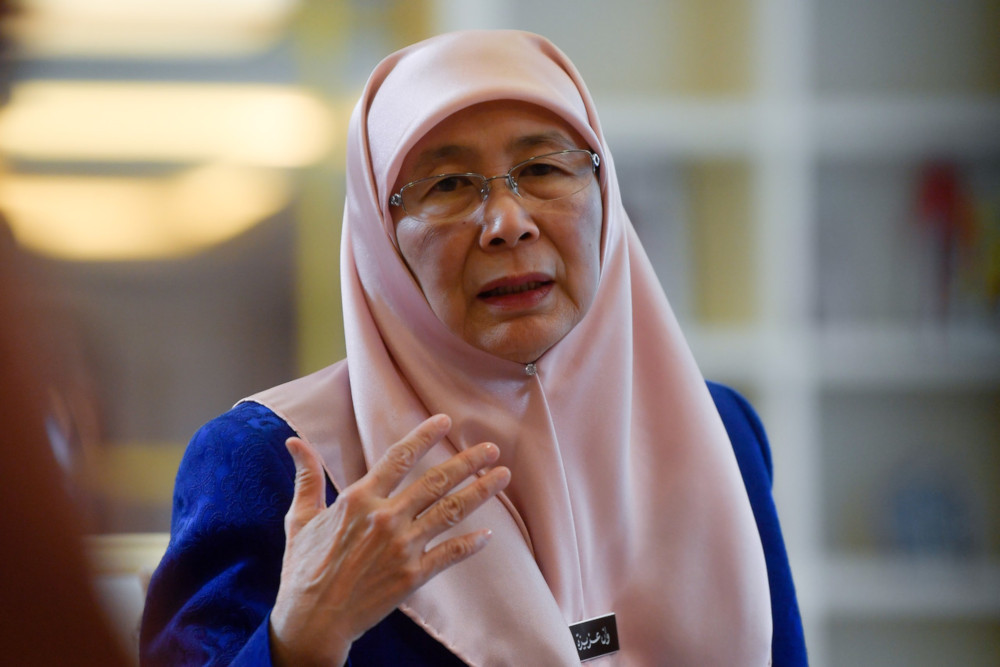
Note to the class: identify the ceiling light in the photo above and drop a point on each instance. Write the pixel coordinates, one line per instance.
(148, 27)
(66, 121)
(103, 218)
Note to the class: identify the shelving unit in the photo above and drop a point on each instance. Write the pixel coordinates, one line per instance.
(821, 141)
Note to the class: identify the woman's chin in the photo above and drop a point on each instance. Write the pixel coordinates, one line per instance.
(522, 341)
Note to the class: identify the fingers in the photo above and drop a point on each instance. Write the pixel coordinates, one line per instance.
(390, 470)
(453, 551)
(452, 509)
(309, 497)
(438, 481)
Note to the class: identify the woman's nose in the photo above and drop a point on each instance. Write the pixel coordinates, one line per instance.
(506, 222)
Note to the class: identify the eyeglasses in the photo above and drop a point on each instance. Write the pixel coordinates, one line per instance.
(446, 197)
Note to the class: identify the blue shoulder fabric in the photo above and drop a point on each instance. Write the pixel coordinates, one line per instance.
(753, 456)
(209, 600)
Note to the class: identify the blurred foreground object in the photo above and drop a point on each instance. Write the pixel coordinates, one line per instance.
(50, 615)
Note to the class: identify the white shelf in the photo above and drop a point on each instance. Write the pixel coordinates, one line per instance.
(750, 354)
(874, 356)
(912, 587)
(677, 127)
(727, 354)
(122, 564)
(842, 127)
(852, 356)
(126, 553)
(907, 127)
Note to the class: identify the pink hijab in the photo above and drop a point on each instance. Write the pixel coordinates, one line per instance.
(625, 495)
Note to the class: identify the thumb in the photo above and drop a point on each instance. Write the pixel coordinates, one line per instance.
(309, 497)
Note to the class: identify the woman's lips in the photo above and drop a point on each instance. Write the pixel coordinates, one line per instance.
(519, 292)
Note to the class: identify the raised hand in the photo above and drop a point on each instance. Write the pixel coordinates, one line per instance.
(347, 566)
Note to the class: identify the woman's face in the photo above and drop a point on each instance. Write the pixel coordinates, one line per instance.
(514, 277)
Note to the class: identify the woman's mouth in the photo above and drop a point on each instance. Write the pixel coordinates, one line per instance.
(524, 292)
(505, 290)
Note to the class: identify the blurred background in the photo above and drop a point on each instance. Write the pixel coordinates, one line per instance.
(816, 181)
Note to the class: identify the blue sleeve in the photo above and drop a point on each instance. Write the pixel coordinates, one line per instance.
(209, 600)
(753, 456)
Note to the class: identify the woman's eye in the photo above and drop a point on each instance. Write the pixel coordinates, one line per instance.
(539, 169)
(450, 184)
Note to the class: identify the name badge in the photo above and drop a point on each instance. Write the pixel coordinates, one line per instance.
(596, 637)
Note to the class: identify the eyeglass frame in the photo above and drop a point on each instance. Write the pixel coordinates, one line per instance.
(397, 197)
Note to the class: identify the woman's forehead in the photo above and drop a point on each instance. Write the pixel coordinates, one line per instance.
(492, 129)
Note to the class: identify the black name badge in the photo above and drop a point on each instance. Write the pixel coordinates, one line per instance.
(596, 637)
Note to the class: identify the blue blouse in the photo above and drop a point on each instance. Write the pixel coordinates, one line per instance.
(210, 599)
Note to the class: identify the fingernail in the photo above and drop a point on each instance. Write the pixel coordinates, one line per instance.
(492, 451)
(483, 538)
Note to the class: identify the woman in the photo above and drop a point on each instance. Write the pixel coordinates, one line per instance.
(519, 439)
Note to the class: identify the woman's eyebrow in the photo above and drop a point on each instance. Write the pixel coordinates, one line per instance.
(437, 154)
(550, 138)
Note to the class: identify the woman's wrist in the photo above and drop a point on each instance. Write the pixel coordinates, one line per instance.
(288, 654)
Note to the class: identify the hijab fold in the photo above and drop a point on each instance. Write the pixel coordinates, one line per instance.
(625, 496)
